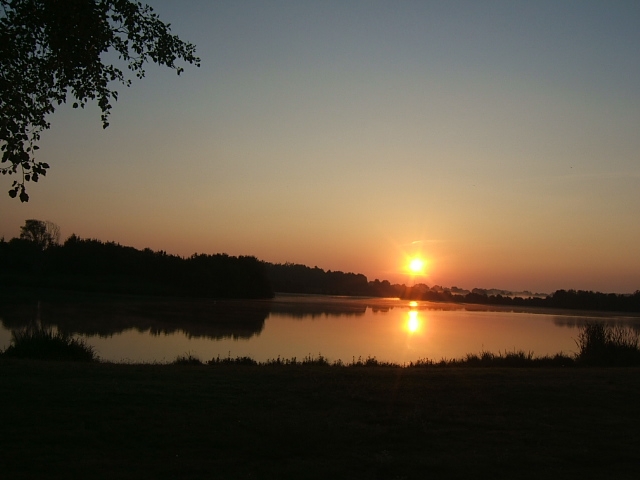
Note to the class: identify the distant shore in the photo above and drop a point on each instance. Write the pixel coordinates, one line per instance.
(90, 265)
(18, 294)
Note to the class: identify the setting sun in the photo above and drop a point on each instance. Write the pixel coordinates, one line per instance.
(416, 265)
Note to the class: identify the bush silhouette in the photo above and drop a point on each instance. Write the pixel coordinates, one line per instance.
(602, 344)
(40, 343)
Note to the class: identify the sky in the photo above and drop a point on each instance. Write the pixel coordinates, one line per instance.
(499, 140)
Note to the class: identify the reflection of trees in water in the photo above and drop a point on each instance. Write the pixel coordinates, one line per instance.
(579, 322)
(203, 318)
(313, 306)
(310, 307)
(195, 318)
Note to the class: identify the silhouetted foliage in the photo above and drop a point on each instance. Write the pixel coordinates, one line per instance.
(296, 278)
(44, 234)
(247, 361)
(515, 359)
(564, 299)
(52, 49)
(40, 343)
(606, 345)
(188, 359)
(92, 265)
(18, 256)
(384, 288)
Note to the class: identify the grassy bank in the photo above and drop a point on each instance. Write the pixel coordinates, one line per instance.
(94, 420)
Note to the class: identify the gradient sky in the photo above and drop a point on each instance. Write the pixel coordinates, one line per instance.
(499, 139)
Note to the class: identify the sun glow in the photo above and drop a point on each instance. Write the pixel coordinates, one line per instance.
(417, 265)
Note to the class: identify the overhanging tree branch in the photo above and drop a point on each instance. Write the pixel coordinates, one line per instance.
(52, 50)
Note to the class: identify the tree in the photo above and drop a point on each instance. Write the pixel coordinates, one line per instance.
(54, 49)
(42, 233)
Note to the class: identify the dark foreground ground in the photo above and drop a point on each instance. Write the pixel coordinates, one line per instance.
(239, 422)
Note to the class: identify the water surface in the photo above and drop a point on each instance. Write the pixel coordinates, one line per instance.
(143, 330)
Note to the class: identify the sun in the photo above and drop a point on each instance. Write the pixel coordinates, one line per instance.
(416, 265)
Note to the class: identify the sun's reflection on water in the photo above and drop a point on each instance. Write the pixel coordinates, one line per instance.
(396, 330)
(413, 322)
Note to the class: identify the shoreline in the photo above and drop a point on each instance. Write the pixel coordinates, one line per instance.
(20, 295)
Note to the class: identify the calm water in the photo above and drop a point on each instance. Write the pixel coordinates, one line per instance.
(297, 326)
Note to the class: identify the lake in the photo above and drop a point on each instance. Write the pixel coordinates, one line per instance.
(123, 329)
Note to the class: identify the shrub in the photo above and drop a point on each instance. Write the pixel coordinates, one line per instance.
(602, 344)
(41, 343)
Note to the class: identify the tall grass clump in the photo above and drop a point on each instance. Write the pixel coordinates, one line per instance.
(514, 359)
(319, 361)
(232, 361)
(601, 344)
(370, 362)
(187, 359)
(41, 343)
(307, 361)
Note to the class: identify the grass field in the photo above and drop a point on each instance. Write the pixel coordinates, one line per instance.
(97, 420)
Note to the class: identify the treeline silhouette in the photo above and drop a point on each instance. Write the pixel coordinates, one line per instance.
(36, 259)
(564, 299)
(296, 278)
(96, 266)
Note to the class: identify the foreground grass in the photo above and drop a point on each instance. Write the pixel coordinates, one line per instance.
(242, 421)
